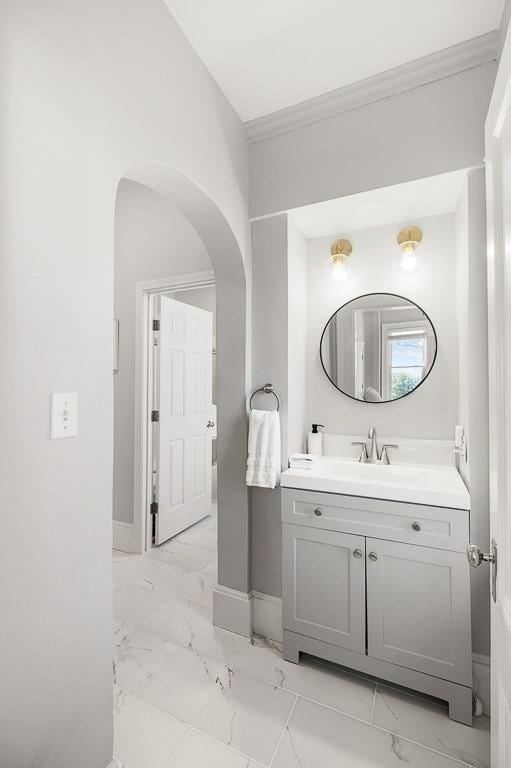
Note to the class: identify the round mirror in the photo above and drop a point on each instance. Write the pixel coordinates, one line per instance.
(378, 347)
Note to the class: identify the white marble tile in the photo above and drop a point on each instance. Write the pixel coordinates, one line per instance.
(131, 601)
(199, 751)
(317, 737)
(212, 569)
(137, 654)
(238, 710)
(201, 536)
(144, 737)
(428, 723)
(185, 555)
(190, 625)
(122, 563)
(326, 684)
(172, 580)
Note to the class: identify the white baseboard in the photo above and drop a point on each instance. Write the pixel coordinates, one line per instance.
(267, 615)
(481, 673)
(232, 610)
(123, 536)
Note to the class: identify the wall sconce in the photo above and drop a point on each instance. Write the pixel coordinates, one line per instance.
(339, 254)
(409, 240)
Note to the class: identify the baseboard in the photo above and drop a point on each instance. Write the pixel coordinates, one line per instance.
(115, 764)
(232, 610)
(267, 615)
(482, 677)
(122, 536)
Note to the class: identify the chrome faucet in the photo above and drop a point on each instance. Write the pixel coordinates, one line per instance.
(371, 455)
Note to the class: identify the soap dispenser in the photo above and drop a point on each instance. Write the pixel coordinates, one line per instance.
(315, 441)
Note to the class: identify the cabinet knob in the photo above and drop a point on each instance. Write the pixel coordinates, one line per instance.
(357, 553)
(416, 526)
(373, 556)
(318, 512)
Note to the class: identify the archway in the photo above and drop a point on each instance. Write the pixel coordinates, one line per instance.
(227, 261)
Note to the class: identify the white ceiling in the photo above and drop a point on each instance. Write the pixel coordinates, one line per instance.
(270, 54)
(433, 196)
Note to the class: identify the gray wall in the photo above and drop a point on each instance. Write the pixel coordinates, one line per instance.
(432, 129)
(430, 411)
(90, 90)
(421, 132)
(152, 240)
(269, 363)
(472, 313)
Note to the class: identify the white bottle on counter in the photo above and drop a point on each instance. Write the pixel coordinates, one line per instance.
(315, 441)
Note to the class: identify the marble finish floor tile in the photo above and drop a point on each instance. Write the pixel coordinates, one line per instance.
(131, 602)
(137, 655)
(200, 535)
(212, 569)
(317, 736)
(144, 736)
(199, 751)
(310, 678)
(187, 556)
(173, 581)
(428, 723)
(190, 625)
(240, 711)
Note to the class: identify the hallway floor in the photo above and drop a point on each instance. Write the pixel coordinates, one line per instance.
(188, 695)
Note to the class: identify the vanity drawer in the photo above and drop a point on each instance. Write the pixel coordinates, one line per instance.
(439, 527)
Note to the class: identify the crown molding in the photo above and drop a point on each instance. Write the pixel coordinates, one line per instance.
(449, 61)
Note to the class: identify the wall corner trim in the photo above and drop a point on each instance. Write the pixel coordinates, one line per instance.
(428, 69)
(232, 610)
(123, 536)
(481, 671)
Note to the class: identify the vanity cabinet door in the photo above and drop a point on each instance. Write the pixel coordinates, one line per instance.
(418, 608)
(324, 585)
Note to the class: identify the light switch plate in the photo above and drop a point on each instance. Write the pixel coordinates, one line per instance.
(64, 415)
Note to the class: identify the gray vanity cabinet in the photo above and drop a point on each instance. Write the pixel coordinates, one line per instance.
(316, 560)
(381, 587)
(418, 602)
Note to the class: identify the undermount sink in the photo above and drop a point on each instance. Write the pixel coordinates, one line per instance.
(439, 486)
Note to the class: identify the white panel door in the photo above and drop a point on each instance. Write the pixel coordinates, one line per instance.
(324, 585)
(418, 609)
(498, 190)
(185, 428)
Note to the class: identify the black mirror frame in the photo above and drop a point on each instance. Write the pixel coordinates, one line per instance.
(363, 296)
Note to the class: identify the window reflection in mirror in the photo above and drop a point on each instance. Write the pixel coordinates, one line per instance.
(378, 347)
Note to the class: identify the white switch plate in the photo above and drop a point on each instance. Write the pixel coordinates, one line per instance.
(64, 415)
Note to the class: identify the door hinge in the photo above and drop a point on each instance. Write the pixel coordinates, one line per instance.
(154, 508)
(156, 325)
(155, 415)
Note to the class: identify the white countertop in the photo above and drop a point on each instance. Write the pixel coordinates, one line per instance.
(438, 486)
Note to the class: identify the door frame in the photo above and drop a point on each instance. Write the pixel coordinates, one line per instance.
(145, 294)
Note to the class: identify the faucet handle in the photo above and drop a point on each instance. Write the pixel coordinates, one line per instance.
(384, 457)
(371, 433)
(363, 452)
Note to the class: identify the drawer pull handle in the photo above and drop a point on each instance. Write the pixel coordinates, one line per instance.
(373, 556)
(357, 553)
(416, 526)
(318, 512)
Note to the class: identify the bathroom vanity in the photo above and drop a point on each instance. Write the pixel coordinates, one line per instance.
(375, 575)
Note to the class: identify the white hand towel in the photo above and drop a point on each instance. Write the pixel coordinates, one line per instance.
(303, 461)
(263, 463)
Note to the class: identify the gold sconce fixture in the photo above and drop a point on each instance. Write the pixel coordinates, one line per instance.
(409, 240)
(340, 252)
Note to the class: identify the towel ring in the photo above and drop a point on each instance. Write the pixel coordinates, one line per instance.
(268, 389)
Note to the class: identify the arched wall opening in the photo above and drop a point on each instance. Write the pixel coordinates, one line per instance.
(227, 262)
